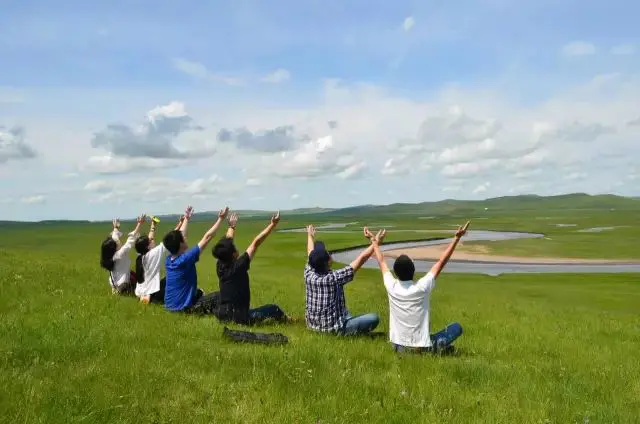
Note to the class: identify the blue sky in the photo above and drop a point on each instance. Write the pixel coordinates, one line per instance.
(110, 108)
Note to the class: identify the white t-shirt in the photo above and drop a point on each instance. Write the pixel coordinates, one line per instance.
(409, 310)
(121, 273)
(152, 264)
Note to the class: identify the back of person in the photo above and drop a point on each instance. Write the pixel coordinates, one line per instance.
(182, 280)
(409, 310)
(235, 293)
(149, 277)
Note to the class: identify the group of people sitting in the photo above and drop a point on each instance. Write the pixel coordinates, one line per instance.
(325, 308)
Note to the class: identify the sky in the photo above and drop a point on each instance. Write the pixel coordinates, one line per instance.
(113, 108)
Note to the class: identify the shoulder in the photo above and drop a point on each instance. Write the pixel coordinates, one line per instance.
(427, 282)
(389, 280)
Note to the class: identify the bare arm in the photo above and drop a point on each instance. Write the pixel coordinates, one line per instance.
(152, 231)
(184, 224)
(439, 266)
(260, 238)
(202, 244)
(311, 232)
(362, 258)
(131, 239)
(375, 242)
(231, 230)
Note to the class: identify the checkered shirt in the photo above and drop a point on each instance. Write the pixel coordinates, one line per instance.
(325, 308)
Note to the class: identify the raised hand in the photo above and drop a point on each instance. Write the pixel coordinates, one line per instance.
(462, 230)
(223, 212)
(116, 223)
(188, 212)
(275, 218)
(380, 236)
(368, 234)
(141, 219)
(311, 230)
(233, 219)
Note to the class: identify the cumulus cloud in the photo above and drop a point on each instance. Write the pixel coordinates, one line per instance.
(318, 158)
(13, 145)
(578, 48)
(277, 76)
(154, 138)
(199, 71)
(278, 139)
(408, 23)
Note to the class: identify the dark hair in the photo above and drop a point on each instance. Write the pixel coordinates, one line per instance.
(142, 247)
(107, 251)
(404, 268)
(224, 250)
(172, 241)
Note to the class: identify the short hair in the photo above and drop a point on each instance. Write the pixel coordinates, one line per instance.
(404, 268)
(142, 244)
(224, 250)
(319, 257)
(172, 241)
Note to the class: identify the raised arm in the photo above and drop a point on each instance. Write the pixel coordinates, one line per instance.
(202, 244)
(376, 241)
(115, 231)
(311, 233)
(439, 266)
(364, 256)
(231, 230)
(131, 238)
(184, 223)
(253, 247)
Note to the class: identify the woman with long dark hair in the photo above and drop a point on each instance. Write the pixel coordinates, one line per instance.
(150, 287)
(114, 257)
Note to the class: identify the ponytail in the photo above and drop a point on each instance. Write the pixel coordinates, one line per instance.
(139, 269)
(142, 247)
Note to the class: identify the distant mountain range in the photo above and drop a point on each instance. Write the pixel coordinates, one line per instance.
(532, 202)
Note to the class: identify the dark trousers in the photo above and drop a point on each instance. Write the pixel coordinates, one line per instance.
(158, 297)
(441, 341)
(205, 304)
(243, 316)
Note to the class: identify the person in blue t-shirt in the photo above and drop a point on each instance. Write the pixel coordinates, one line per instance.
(181, 292)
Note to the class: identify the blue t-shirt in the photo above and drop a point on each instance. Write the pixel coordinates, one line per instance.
(182, 280)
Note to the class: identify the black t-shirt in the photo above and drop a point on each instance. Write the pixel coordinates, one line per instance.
(234, 283)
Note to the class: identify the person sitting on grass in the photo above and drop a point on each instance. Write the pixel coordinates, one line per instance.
(150, 287)
(325, 306)
(233, 273)
(409, 302)
(182, 293)
(114, 257)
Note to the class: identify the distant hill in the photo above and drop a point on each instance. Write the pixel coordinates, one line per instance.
(532, 202)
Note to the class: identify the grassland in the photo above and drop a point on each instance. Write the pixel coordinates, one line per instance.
(552, 348)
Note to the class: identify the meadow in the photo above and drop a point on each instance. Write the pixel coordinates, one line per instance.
(552, 348)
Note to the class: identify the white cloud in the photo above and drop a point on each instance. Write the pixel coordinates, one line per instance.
(199, 71)
(623, 50)
(576, 176)
(295, 196)
(109, 164)
(408, 23)
(253, 182)
(578, 48)
(482, 188)
(32, 200)
(98, 186)
(277, 76)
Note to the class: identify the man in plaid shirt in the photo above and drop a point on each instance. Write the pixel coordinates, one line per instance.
(326, 309)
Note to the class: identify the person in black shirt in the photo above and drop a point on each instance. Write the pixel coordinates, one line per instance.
(233, 273)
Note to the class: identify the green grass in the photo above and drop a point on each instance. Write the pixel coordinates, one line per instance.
(536, 348)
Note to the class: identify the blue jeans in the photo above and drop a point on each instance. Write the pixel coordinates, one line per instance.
(265, 312)
(440, 340)
(360, 324)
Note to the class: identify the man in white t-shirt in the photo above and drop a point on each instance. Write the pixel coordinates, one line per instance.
(409, 302)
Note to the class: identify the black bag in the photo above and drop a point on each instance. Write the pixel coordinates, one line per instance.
(239, 336)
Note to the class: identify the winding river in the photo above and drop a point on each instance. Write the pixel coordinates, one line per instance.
(489, 268)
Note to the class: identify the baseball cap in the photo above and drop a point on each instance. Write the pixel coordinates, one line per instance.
(319, 257)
